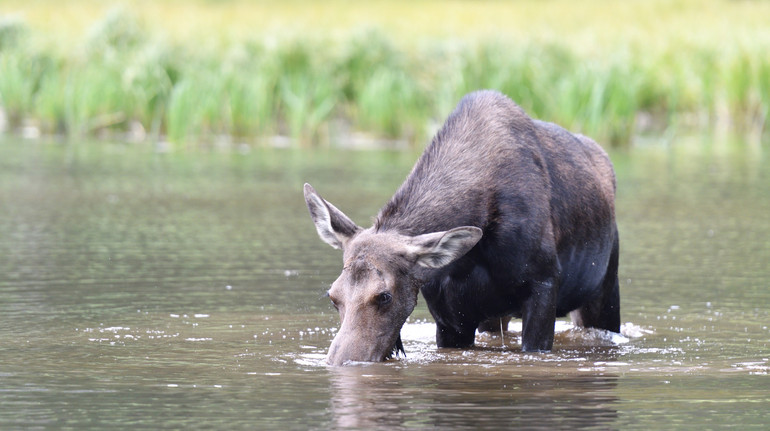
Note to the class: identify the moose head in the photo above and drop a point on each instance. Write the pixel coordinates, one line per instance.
(377, 289)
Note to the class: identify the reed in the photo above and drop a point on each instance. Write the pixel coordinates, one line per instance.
(128, 72)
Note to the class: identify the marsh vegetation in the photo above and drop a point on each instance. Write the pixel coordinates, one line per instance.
(242, 71)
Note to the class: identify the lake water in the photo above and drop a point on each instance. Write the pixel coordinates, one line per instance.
(142, 290)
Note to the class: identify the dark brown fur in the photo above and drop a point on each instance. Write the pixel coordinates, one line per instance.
(544, 200)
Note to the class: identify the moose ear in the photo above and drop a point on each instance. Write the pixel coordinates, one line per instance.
(334, 227)
(434, 250)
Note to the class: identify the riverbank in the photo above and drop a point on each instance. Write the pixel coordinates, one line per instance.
(198, 72)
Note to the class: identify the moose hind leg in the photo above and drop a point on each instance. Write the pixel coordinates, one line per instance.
(603, 312)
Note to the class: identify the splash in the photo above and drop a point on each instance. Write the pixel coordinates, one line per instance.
(570, 345)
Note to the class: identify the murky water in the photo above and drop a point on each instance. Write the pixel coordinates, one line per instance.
(184, 291)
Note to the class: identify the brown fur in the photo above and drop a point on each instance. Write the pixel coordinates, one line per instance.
(501, 216)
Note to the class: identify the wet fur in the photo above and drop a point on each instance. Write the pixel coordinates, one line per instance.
(397, 348)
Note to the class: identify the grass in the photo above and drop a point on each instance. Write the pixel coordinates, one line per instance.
(199, 71)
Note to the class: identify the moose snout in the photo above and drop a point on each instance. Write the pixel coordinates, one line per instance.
(336, 355)
(353, 346)
(345, 348)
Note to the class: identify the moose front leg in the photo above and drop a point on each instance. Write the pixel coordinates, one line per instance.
(539, 317)
(447, 336)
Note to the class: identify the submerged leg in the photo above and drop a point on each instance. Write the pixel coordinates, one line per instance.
(539, 317)
(449, 337)
(603, 312)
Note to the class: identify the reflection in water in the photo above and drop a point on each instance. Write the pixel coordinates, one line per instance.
(486, 386)
(384, 396)
(358, 402)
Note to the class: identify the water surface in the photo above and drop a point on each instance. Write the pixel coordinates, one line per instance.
(166, 291)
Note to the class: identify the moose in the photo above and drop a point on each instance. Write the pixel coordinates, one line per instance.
(502, 216)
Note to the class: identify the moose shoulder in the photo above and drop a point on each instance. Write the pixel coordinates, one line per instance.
(501, 216)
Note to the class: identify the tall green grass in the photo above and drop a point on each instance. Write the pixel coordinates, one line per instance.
(122, 76)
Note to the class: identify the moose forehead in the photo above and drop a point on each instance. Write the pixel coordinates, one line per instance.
(360, 268)
(374, 254)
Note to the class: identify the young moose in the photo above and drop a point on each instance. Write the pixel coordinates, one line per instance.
(501, 216)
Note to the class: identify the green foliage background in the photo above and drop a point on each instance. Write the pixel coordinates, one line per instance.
(322, 72)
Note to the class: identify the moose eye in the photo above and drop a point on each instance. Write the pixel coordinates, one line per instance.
(384, 299)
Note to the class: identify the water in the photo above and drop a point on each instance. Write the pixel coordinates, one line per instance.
(185, 291)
